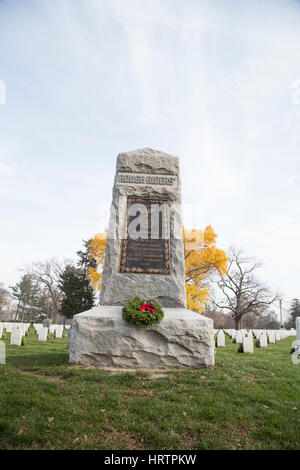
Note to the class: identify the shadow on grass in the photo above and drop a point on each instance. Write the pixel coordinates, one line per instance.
(44, 359)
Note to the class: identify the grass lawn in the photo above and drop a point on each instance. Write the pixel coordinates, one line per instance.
(246, 402)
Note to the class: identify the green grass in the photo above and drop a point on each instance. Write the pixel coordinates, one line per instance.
(246, 402)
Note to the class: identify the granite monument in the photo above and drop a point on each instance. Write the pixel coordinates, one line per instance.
(145, 257)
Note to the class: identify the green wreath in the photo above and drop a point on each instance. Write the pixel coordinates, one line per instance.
(141, 313)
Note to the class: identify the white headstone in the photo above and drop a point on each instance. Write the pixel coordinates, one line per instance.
(59, 331)
(2, 353)
(37, 327)
(248, 345)
(271, 337)
(221, 339)
(8, 327)
(263, 342)
(16, 338)
(18, 327)
(43, 334)
(278, 336)
(239, 337)
(1, 330)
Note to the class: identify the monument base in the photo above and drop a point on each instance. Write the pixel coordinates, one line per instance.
(182, 340)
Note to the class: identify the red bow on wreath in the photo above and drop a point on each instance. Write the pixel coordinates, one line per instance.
(147, 307)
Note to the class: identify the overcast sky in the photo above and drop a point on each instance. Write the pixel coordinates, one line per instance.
(216, 83)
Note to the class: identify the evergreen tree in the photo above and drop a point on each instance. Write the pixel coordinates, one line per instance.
(86, 261)
(29, 296)
(78, 294)
(294, 312)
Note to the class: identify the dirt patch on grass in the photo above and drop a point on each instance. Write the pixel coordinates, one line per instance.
(115, 439)
(51, 378)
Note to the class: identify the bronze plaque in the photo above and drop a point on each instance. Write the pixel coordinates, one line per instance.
(144, 254)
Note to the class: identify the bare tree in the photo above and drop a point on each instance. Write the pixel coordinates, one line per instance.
(268, 320)
(242, 293)
(249, 320)
(47, 274)
(221, 320)
(4, 299)
(3, 295)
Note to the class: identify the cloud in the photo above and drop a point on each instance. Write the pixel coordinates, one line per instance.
(7, 223)
(6, 169)
(213, 82)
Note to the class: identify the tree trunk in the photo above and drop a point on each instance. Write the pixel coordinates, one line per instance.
(237, 322)
(22, 314)
(17, 312)
(55, 313)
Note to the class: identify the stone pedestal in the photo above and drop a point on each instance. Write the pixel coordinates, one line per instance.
(101, 338)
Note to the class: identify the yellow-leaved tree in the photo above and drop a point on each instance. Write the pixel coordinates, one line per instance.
(97, 251)
(202, 259)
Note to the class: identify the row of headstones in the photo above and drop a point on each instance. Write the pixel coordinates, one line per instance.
(19, 330)
(245, 337)
(56, 330)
